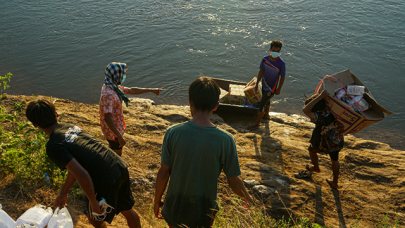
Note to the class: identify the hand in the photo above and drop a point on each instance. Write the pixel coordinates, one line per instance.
(256, 87)
(60, 201)
(157, 91)
(121, 141)
(96, 208)
(277, 91)
(156, 209)
(248, 201)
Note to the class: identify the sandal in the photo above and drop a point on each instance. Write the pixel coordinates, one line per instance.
(302, 174)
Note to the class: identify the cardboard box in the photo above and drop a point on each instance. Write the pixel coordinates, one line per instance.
(251, 82)
(237, 94)
(350, 122)
(224, 96)
(251, 95)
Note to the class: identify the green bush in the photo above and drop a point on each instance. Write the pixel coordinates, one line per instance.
(4, 83)
(23, 153)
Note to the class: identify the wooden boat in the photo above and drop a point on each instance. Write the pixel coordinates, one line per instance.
(231, 108)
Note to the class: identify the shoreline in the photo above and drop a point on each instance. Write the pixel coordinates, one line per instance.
(395, 138)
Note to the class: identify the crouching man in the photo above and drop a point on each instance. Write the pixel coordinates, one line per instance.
(193, 155)
(100, 172)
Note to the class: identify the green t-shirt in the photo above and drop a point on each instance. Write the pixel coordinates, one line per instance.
(196, 155)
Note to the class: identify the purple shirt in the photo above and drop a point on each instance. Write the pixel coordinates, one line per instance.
(272, 72)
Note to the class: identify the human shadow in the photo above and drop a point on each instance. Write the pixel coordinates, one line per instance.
(319, 217)
(269, 151)
(336, 196)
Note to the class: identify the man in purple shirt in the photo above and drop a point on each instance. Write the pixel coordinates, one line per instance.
(272, 70)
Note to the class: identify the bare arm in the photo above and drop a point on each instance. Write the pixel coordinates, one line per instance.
(161, 184)
(61, 199)
(239, 189)
(136, 90)
(308, 108)
(85, 182)
(113, 128)
(278, 90)
(259, 77)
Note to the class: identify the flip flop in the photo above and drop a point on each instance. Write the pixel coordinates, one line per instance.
(253, 127)
(302, 174)
(327, 181)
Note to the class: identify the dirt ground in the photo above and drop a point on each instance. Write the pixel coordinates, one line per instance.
(372, 178)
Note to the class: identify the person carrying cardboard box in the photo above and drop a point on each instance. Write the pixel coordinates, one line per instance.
(326, 136)
(272, 68)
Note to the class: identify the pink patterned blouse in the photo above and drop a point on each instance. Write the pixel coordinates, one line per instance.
(110, 103)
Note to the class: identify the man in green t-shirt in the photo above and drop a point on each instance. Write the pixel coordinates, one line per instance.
(193, 155)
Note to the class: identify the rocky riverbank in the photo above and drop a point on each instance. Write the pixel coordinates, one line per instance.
(372, 178)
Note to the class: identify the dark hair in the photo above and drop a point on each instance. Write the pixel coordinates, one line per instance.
(41, 113)
(204, 92)
(321, 105)
(276, 43)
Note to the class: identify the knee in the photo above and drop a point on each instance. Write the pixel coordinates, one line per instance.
(130, 213)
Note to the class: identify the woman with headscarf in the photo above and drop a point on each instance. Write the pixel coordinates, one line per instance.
(112, 94)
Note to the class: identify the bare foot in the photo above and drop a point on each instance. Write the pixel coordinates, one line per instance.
(333, 185)
(266, 117)
(253, 127)
(312, 169)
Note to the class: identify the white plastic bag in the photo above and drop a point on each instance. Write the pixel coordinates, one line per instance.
(5, 220)
(38, 215)
(61, 218)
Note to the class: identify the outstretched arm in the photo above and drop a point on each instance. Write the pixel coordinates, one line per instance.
(136, 90)
(239, 189)
(161, 183)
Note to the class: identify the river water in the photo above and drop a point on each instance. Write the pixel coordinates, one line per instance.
(61, 48)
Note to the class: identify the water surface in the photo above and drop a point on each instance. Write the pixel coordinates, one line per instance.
(61, 48)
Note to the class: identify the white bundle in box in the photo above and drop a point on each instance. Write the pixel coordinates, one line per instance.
(359, 104)
(340, 93)
(355, 90)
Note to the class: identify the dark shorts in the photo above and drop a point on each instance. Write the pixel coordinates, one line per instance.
(265, 100)
(119, 196)
(334, 155)
(115, 145)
